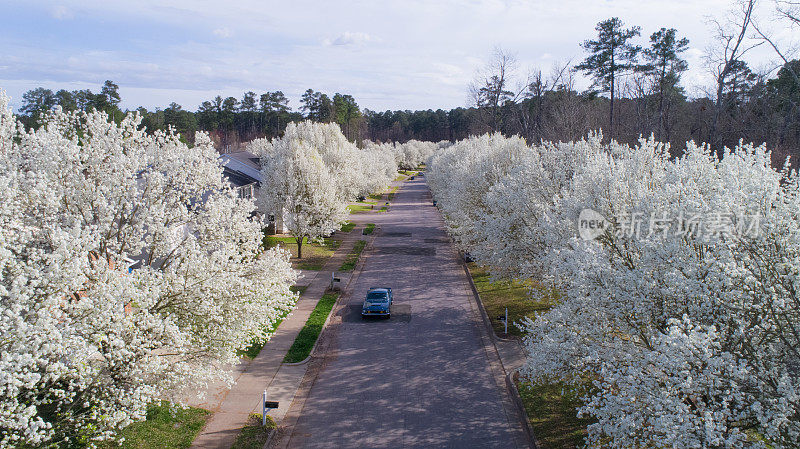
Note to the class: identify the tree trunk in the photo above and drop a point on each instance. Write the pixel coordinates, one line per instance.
(661, 126)
(299, 241)
(713, 134)
(611, 111)
(611, 108)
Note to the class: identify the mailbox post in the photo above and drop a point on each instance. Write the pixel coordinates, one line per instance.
(265, 404)
(504, 319)
(334, 279)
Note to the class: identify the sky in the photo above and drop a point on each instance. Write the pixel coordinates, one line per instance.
(388, 54)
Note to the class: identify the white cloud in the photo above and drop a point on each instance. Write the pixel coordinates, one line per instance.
(61, 12)
(351, 39)
(427, 52)
(223, 32)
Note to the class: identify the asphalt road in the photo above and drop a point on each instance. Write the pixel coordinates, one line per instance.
(424, 378)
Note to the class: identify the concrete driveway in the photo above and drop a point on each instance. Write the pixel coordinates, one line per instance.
(428, 377)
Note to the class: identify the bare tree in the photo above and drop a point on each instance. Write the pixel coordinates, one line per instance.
(788, 11)
(537, 97)
(568, 116)
(491, 89)
(733, 44)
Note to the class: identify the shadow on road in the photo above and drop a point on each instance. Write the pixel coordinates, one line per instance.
(352, 314)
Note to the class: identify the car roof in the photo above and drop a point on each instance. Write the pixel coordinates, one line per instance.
(378, 290)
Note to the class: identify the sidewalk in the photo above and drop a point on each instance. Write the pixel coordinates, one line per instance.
(234, 406)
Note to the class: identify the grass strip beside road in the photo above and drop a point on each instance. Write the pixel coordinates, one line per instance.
(368, 229)
(552, 407)
(514, 295)
(301, 348)
(552, 410)
(254, 435)
(348, 226)
(352, 257)
(166, 426)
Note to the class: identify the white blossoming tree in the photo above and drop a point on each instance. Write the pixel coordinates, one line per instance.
(687, 338)
(411, 154)
(86, 342)
(297, 182)
(311, 173)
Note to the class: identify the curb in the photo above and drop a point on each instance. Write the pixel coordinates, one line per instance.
(324, 325)
(512, 388)
(284, 440)
(330, 314)
(484, 314)
(269, 438)
(510, 385)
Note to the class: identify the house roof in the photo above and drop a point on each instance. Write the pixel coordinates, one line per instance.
(242, 163)
(238, 179)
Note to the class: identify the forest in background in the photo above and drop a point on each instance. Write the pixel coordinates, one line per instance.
(636, 91)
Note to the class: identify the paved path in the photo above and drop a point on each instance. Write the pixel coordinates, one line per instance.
(232, 407)
(429, 377)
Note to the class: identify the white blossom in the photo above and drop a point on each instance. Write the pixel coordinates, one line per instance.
(311, 174)
(86, 343)
(686, 339)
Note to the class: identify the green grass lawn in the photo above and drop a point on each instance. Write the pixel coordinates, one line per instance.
(552, 415)
(254, 435)
(400, 178)
(298, 288)
(376, 196)
(383, 209)
(314, 254)
(357, 208)
(305, 340)
(166, 427)
(496, 296)
(352, 257)
(368, 229)
(348, 226)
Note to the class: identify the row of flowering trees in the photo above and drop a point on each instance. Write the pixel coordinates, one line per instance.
(311, 173)
(408, 155)
(85, 341)
(678, 280)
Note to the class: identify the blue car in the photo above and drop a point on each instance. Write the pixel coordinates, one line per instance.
(378, 302)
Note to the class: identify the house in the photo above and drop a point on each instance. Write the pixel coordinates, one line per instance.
(243, 171)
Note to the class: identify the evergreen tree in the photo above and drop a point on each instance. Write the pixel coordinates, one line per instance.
(611, 55)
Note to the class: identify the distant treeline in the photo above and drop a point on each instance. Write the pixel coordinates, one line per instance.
(637, 94)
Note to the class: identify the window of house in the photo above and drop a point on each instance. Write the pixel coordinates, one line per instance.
(246, 191)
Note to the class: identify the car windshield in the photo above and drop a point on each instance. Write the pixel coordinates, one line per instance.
(377, 297)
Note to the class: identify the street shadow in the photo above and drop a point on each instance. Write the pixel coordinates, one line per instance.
(352, 314)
